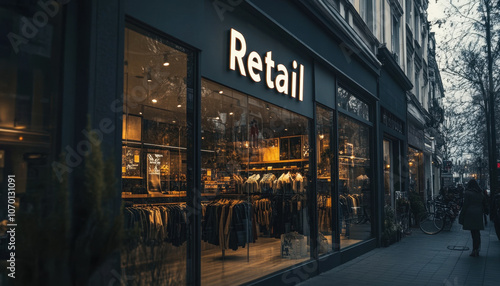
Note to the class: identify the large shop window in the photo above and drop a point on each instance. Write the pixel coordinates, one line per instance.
(415, 168)
(255, 162)
(394, 196)
(355, 192)
(29, 91)
(325, 160)
(388, 173)
(154, 161)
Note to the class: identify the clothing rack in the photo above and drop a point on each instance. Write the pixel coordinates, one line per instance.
(155, 204)
(224, 201)
(132, 204)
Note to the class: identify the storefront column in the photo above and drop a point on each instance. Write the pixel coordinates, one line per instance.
(193, 267)
(312, 194)
(378, 163)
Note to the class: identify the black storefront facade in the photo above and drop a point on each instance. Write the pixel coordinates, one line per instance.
(251, 147)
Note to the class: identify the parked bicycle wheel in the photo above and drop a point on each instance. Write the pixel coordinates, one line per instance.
(431, 223)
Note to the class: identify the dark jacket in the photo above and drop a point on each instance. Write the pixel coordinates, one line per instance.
(473, 209)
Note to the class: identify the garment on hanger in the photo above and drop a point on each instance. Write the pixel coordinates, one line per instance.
(157, 224)
(228, 223)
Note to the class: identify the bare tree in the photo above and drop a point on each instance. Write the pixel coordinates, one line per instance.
(470, 55)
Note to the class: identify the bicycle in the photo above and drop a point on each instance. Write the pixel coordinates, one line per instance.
(439, 215)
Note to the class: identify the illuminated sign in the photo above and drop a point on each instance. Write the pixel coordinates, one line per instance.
(283, 83)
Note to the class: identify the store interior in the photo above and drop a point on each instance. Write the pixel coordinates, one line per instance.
(255, 173)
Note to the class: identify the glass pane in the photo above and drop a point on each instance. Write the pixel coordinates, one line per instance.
(351, 103)
(388, 185)
(354, 181)
(415, 158)
(154, 161)
(325, 158)
(255, 157)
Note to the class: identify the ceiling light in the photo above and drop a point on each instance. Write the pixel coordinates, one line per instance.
(173, 121)
(179, 101)
(154, 101)
(140, 112)
(165, 60)
(231, 113)
(221, 92)
(321, 136)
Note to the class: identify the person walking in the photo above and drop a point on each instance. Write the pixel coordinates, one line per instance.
(471, 216)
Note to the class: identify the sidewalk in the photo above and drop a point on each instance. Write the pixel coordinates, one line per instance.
(421, 259)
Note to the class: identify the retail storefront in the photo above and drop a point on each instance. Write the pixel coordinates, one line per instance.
(249, 145)
(393, 166)
(271, 193)
(416, 161)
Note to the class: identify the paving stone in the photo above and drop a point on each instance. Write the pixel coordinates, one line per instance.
(421, 259)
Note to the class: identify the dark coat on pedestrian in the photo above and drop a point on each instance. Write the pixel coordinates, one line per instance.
(474, 206)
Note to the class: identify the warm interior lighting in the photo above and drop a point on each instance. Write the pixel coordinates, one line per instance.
(321, 136)
(387, 166)
(179, 105)
(21, 138)
(221, 92)
(165, 60)
(154, 101)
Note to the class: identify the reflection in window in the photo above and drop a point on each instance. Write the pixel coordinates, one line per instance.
(154, 161)
(255, 160)
(29, 81)
(415, 167)
(354, 181)
(351, 103)
(325, 159)
(388, 173)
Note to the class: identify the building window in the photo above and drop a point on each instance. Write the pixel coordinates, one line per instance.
(416, 31)
(29, 100)
(408, 13)
(325, 160)
(409, 66)
(388, 176)
(154, 167)
(417, 86)
(415, 168)
(395, 37)
(334, 3)
(255, 164)
(352, 104)
(367, 13)
(355, 192)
